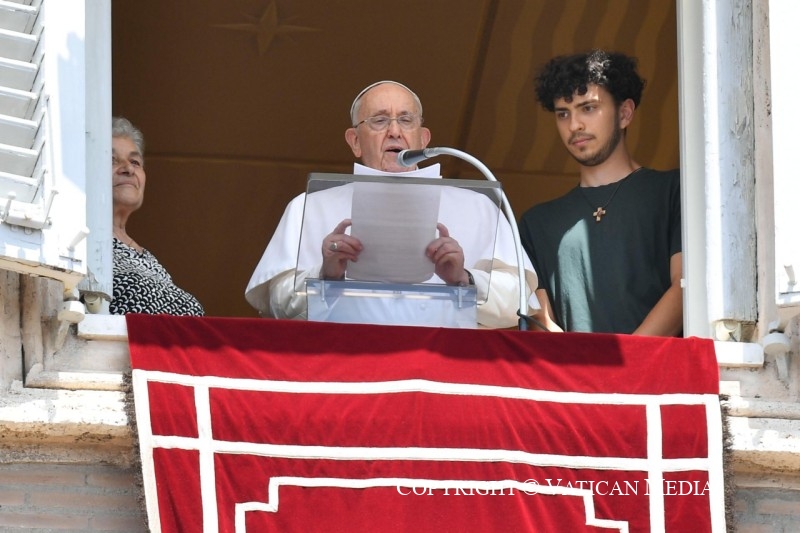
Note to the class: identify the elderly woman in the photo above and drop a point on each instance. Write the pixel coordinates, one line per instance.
(141, 284)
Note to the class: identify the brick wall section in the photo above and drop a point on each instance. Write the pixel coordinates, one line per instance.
(37, 497)
(767, 510)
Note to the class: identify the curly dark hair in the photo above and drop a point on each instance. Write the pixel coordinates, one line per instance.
(563, 76)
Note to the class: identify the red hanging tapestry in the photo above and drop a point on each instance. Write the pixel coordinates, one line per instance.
(252, 425)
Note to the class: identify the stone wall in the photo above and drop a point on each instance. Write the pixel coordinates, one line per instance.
(767, 510)
(69, 497)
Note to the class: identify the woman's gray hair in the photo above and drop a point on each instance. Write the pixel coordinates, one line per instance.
(357, 101)
(122, 127)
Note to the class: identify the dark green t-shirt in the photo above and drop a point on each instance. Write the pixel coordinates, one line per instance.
(606, 276)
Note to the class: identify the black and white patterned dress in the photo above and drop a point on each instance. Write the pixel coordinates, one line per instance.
(142, 285)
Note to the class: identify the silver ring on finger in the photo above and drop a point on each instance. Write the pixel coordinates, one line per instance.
(334, 246)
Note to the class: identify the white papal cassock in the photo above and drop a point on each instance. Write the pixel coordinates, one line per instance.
(293, 255)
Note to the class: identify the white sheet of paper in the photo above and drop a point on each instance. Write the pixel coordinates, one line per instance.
(395, 223)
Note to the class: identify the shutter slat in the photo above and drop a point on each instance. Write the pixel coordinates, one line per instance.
(16, 103)
(26, 2)
(17, 17)
(24, 188)
(16, 160)
(16, 45)
(17, 74)
(17, 131)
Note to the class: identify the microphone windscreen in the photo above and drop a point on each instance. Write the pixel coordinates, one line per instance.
(410, 158)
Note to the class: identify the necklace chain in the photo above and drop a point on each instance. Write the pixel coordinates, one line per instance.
(129, 242)
(601, 209)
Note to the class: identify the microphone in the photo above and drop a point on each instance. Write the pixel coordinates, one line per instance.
(410, 158)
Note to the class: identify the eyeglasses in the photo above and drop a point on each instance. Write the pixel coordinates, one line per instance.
(381, 122)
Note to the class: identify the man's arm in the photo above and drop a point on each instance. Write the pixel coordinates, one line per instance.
(545, 314)
(666, 317)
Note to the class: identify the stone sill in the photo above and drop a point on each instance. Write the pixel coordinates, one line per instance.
(103, 327)
(38, 378)
(766, 445)
(64, 415)
(739, 354)
(757, 408)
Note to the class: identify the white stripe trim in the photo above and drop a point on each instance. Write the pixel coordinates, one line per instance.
(273, 502)
(208, 478)
(655, 474)
(143, 423)
(432, 387)
(359, 453)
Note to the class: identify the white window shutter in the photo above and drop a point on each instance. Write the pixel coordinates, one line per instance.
(47, 153)
(783, 40)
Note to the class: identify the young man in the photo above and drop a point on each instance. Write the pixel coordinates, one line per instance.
(386, 117)
(607, 253)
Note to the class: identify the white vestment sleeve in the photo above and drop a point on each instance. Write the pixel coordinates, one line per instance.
(500, 305)
(286, 295)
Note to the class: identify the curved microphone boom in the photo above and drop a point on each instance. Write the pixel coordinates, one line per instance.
(410, 158)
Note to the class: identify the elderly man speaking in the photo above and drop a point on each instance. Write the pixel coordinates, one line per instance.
(386, 118)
